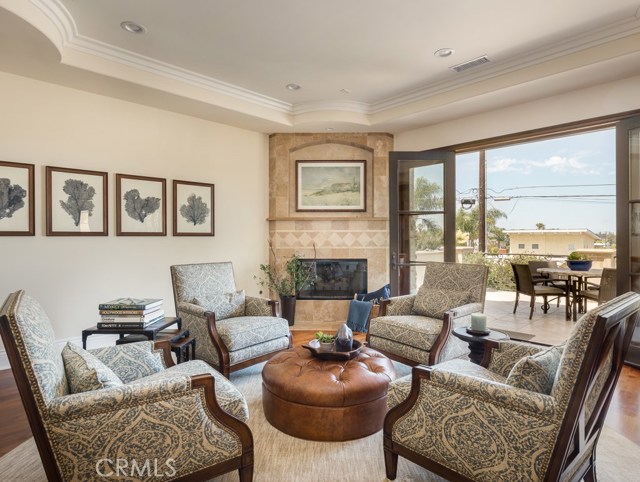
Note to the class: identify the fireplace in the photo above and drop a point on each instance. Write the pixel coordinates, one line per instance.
(335, 279)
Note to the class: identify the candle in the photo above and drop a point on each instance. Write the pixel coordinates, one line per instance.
(479, 322)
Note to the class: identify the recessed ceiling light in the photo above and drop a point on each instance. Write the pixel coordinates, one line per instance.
(445, 52)
(293, 87)
(133, 27)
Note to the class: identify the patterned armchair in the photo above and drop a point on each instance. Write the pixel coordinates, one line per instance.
(534, 413)
(416, 329)
(128, 404)
(232, 330)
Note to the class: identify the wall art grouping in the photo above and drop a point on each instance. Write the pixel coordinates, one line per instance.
(77, 203)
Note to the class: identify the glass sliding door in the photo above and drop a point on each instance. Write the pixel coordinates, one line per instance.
(422, 214)
(628, 207)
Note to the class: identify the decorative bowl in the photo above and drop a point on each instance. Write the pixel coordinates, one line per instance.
(314, 347)
(579, 264)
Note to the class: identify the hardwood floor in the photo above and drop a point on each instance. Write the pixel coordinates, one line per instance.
(623, 415)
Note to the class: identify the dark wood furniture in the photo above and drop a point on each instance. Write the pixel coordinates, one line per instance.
(149, 331)
(477, 342)
(180, 342)
(584, 401)
(313, 399)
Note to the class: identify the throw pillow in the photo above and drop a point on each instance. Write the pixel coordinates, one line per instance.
(381, 294)
(225, 305)
(85, 372)
(131, 361)
(433, 302)
(537, 372)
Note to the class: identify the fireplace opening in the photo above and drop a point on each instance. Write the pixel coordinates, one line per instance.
(335, 279)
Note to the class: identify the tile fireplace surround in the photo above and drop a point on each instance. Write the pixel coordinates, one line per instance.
(334, 234)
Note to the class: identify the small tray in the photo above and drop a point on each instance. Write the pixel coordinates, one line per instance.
(314, 347)
(478, 333)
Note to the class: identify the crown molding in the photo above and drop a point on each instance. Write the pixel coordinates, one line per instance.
(611, 33)
(70, 40)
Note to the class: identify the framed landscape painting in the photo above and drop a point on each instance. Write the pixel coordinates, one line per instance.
(193, 209)
(141, 206)
(76, 202)
(330, 186)
(17, 205)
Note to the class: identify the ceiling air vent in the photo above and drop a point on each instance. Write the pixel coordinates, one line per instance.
(470, 64)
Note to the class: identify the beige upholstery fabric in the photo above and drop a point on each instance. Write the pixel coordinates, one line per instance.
(246, 334)
(469, 420)
(131, 361)
(160, 417)
(407, 332)
(432, 303)
(224, 305)
(85, 372)
(536, 372)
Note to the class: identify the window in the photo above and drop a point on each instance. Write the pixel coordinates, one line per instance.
(571, 247)
(535, 246)
(521, 246)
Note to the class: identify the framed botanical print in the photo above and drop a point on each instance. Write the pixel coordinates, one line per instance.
(17, 203)
(141, 206)
(193, 209)
(330, 186)
(76, 202)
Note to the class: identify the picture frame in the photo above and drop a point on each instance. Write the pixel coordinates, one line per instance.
(141, 205)
(76, 202)
(331, 186)
(17, 199)
(193, 208)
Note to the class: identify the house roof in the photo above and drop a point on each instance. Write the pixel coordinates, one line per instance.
(362, 66)
(552, 231)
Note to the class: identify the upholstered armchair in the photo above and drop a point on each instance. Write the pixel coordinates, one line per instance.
(232, 330)
(87, 410)
(529, 412)
(416, 329)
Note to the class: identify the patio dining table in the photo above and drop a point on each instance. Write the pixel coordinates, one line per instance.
(577, 281)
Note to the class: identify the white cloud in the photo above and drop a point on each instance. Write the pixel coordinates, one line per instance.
(555, 164)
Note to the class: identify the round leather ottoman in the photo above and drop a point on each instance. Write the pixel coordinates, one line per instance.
(324, 400)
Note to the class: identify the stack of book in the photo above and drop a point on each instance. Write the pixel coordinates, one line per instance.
(130, 312)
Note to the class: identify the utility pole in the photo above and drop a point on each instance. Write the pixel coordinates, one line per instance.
(482, 204)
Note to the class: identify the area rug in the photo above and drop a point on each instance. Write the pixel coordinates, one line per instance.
(517, 335)
(279, 457)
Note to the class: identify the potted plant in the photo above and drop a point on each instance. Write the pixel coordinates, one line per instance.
(286, 278)
(578, 262)
(326, 341)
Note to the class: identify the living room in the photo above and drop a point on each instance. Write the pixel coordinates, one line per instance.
(71, 123)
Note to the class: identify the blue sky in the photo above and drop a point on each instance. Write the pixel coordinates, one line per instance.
(577, 165)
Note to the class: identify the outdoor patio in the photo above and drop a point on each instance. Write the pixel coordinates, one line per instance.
(551, 328)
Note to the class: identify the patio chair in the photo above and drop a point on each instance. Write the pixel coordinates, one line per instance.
(528, 413)
(526, 286)
(605, 291)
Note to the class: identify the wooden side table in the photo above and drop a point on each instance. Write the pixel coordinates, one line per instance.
(476, 342)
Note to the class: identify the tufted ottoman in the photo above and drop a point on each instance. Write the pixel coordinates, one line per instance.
(326, 400)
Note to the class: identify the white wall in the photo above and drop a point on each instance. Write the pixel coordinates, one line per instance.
(600, 100)
(46, 124)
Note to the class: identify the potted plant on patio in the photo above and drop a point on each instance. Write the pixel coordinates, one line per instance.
(287, 278)
(578, 262)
